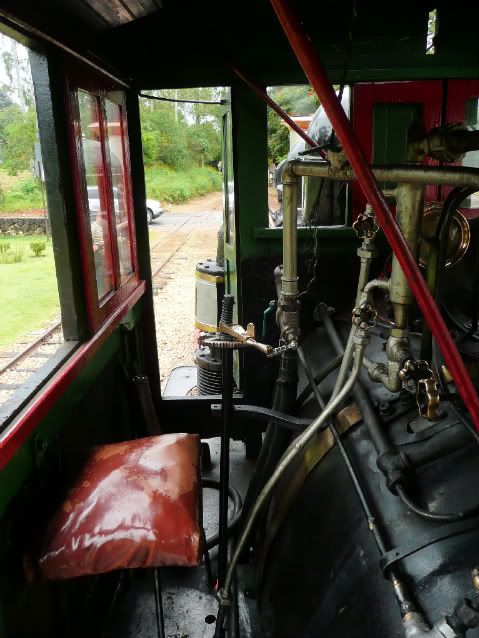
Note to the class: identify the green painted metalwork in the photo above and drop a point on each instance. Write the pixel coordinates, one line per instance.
(18, 470)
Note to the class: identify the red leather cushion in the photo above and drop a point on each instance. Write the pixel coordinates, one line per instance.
(135, 504)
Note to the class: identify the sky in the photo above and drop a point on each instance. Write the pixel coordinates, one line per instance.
(12, 50)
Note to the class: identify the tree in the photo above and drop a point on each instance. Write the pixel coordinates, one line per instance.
(295, 100)
(17, 137)
(180, 134)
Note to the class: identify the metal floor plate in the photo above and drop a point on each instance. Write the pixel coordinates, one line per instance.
(189, 608)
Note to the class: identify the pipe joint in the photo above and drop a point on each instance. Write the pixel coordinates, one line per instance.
(416, 627)
(287, 319)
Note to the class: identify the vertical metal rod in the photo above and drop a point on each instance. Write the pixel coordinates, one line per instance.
(160, 618)
(226, 408)
(308, 58)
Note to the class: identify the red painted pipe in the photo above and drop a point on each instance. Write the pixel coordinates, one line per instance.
(317, 77)
(282, 114)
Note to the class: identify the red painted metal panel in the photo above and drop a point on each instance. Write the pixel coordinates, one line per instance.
(307, 57)
(23, 426)
(367, 95)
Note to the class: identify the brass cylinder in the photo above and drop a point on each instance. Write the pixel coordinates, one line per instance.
(290, 257)
(410, 205)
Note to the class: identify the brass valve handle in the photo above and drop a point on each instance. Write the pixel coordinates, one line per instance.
(428, 399)
(366, 226)
(364, 316)
(419, 374)
(245, 336)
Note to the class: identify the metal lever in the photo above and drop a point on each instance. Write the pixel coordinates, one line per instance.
(245, 336)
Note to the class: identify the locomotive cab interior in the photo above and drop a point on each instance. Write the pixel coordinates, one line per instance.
(328, 488)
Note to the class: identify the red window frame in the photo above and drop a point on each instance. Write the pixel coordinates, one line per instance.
(98, 310)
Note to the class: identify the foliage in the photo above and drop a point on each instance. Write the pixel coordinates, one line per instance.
(181, 135)
(295, 100)
(29, 290)
(38, 247)
(20, 193)
(172, 186)
(17, 138)
(14, 256)
(4, 247)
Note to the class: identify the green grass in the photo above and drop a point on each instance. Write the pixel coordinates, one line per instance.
(19, 192)
(168, 185)
(28, 292)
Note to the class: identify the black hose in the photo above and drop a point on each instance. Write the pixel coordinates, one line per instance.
(276, 438)
(235, 498)
(320, 376)
(434, 516)
(403, 597)
(382, 445)
(449, 440)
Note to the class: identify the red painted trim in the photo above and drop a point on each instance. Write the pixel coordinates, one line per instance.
(16, 434)
(366, 95)
(99, 310)
(126, 158)
(308, 58)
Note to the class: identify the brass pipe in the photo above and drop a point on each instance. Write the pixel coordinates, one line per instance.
(290, 258)
(409, 212)
(401, 174)
(288, 311)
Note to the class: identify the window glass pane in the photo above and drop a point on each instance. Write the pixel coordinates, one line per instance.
(31, 334)
(97, 191)
(119, 183)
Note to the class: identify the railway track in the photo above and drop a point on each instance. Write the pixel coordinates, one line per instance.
(10, 361)
(12, 374)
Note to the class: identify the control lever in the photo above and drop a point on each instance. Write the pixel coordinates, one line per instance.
(247, 337)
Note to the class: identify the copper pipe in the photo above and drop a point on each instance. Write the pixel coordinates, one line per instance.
(308, 58)
(282, 114)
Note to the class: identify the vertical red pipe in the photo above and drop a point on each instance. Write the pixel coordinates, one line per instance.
(308, 58)
(282, 114)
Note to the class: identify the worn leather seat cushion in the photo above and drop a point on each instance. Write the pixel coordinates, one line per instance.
(134, 504)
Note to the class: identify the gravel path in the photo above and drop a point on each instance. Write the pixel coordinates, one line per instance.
(174, 287)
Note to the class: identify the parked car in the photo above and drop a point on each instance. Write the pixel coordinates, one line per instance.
(153, 207)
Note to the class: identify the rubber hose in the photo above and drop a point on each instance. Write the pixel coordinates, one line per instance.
(320, 376)
(434, 516)
(235, 497)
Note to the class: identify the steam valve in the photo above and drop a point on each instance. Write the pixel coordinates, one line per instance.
(366, 226)
(364, 316)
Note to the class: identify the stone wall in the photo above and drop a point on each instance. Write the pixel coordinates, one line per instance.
(22, 226)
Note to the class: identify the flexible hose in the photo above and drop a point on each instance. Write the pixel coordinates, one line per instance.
(434, 516)
(291, 453)
(320, 376)
(235, 498)
(276, 438)
(381, 543)
(401, 592)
